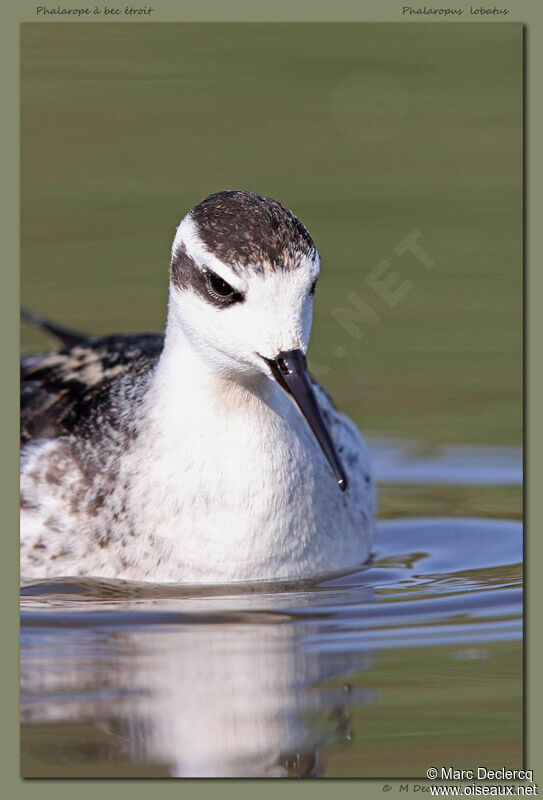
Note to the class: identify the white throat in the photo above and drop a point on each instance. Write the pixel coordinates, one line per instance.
(189, 381)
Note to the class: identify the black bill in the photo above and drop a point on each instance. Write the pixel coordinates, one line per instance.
(290, 371)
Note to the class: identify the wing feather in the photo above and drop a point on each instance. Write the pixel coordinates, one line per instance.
(59, 390)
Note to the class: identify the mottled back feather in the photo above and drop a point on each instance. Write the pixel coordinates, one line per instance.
(61, 391)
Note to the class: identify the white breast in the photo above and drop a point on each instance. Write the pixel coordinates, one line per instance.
(238, 489)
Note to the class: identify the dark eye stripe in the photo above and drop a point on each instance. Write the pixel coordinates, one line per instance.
(185, 274)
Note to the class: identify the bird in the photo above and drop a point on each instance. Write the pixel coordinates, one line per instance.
(209, 454)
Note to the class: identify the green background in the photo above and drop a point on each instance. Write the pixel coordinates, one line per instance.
(366, 131)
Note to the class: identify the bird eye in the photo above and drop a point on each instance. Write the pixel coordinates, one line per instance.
(220, 289)
(313, 287)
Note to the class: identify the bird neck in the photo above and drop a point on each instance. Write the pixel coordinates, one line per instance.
(187, 381)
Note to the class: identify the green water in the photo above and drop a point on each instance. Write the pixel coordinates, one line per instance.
(435, 708)
(432, 709)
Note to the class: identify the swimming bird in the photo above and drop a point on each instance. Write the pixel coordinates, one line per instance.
(208, 454)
